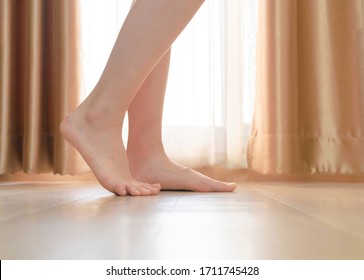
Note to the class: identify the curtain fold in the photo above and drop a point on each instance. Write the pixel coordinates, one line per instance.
(309, 114)
(40, 83)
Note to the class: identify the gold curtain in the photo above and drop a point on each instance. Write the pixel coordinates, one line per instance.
(309, 115)
(39, 84)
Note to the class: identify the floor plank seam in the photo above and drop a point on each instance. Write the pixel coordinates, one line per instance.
(45, 209)
(343, 230)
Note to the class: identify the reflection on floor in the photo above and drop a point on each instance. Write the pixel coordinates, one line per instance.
(257, 221)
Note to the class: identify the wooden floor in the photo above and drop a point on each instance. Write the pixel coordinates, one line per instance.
(257, 221)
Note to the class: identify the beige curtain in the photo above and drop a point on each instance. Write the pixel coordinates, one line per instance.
(39, 84)
(309, 115)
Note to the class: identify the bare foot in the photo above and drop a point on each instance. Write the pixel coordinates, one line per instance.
(172, 176)
(101, 146)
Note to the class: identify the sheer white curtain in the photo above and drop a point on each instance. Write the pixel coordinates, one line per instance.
(211, 87)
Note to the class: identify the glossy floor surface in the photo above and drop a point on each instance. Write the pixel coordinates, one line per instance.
(257, 221)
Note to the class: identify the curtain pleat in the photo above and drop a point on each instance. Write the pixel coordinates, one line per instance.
(309, 114)
(40, 83)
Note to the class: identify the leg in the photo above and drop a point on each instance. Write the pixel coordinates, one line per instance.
(94, 128)
(147, 158)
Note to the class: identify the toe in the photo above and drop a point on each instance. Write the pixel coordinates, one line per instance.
(230, 187)
(144, 190)
(109, 184)
(218, 186)
(154, 188)
(133, 190)
(224, 187)
(120, 190)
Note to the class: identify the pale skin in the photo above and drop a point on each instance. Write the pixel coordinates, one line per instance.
(134, 80)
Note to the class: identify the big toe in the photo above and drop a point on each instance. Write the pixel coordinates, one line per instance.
(230, 187)
(155, 188)
(223, 187)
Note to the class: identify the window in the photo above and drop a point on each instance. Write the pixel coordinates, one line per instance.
(210, 94)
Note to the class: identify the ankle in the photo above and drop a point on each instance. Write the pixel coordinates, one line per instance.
(141, 150)
(102, 117)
